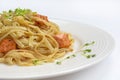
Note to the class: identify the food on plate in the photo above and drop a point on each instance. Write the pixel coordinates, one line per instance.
(28, 38)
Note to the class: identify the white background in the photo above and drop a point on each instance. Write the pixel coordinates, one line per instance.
(104, 14)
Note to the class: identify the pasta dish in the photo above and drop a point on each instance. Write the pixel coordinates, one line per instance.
(27, 37)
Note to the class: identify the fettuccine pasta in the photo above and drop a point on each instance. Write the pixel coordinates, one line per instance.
(27, 37)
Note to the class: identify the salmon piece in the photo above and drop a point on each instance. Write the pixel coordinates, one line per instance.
(7, 45)
(63, 40)
(41, 24)
(42, 17)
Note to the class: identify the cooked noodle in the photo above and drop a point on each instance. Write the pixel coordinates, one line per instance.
(34, 41)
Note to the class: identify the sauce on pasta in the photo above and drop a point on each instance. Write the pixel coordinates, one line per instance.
(26, 36)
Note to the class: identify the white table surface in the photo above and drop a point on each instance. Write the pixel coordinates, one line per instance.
(104, 14)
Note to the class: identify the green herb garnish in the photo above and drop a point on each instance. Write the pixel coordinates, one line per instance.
(68, 57)
(87, 50)
(10, 11)
(58, 62)
(73, 55)
(88, 44)
(93, 55)
(84, 53)
(88, 55)
(21, 12)
(10, 14)
(36, 62)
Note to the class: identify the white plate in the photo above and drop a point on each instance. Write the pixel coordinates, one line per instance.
(82, 33)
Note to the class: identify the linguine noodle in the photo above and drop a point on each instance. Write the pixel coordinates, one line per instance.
(33, 35)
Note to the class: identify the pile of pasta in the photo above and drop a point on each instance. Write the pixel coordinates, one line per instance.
(27, 38)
